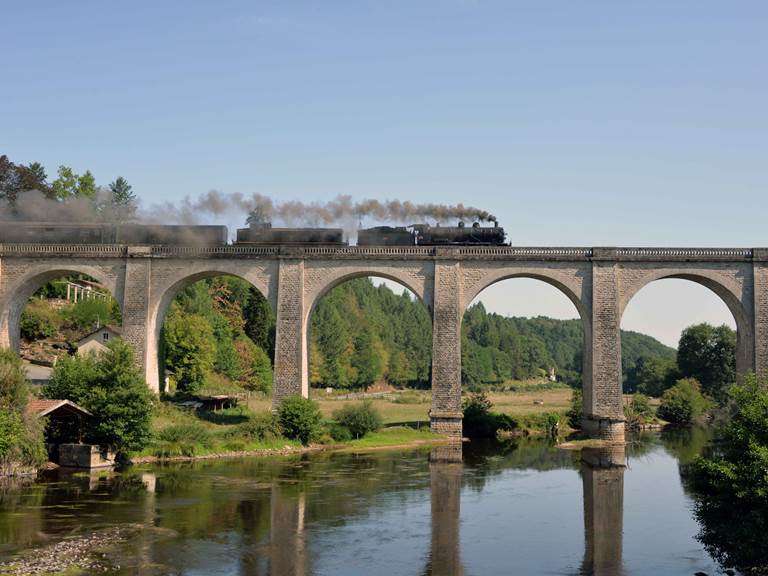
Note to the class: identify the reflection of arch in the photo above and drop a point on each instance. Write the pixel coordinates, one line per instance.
(726, 284)
(25, 286)
(160, 306)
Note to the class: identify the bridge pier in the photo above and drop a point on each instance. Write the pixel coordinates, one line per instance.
(446, 415)
(291, 361)
(135, 311)
(603, 412)
(760, 293)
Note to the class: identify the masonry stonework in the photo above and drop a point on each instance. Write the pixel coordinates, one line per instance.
(291, 363)
(599, 281)
(446, 415)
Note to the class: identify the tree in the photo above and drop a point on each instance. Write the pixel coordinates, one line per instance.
(110, 386)
(21, 434)
(366, 362)
(68, 184)
(38, 172)
(122, 200)
(189, 349)
(651, 375)
(730, 484)
(65, 185)
(260, 321)
(16, 179)
(708, 354)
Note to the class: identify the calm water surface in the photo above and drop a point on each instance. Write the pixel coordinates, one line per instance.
(517, 509)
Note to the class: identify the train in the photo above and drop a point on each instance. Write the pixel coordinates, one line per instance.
(262, 234)
(95, 233)
(428, 235)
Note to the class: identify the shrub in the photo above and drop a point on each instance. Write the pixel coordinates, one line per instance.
(359, 419)
(300, 418)
(480, 422)
(85, 313)
(38, 321)
(682, 403)
(638, 411)
(339, 433)
(574, 414)
(190, 432)
(264, 426)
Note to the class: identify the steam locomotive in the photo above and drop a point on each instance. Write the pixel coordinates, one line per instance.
(89, 233)
(426, 235)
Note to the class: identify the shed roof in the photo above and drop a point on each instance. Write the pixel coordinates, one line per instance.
(49, 407)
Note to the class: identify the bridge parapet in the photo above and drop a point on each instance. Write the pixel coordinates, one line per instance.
(511, 253)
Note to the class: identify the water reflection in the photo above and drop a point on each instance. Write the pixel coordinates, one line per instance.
(445, 471)
(602, 473)
(378, 513)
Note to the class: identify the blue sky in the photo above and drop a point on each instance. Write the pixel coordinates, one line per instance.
(577, 123)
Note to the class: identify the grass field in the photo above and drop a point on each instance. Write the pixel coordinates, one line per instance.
(418, 403)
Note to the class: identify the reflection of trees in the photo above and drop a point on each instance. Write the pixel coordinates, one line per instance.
(487, 459)
(685, 443)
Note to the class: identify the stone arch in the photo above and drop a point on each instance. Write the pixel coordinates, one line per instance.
(727, 283)
(34, 277)
(259, 278)
(571, 280)
(318, 281)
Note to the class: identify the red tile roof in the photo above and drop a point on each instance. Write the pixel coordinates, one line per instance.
(46, 407)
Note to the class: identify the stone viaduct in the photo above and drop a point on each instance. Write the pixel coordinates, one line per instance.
(599, 281)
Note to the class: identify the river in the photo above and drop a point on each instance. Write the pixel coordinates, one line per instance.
(517, 508)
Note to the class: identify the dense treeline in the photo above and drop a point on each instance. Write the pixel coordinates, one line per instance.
(363, 333)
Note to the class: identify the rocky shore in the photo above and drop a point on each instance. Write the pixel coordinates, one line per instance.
(81, 554)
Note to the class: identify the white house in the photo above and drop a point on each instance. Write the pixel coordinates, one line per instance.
(97, 340)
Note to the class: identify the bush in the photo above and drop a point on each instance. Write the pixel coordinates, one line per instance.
(263, 426)
(86, 313)
(359, 419)
(480, 422)
(575, 414)
(300, 418)
(339, 433)
(38, 321)
(189, 432)
(682, 403)
(110, 386)
(638, 411)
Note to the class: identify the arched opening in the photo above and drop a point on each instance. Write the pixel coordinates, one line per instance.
(59, 313)
(370, 336)
(215, 335)
(522, 344)
(699, 331)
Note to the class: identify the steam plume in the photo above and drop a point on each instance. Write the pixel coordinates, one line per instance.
(340, 210)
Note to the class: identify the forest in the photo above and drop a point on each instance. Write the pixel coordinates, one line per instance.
(222, 330)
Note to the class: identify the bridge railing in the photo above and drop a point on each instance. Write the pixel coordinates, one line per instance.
(67, 249)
